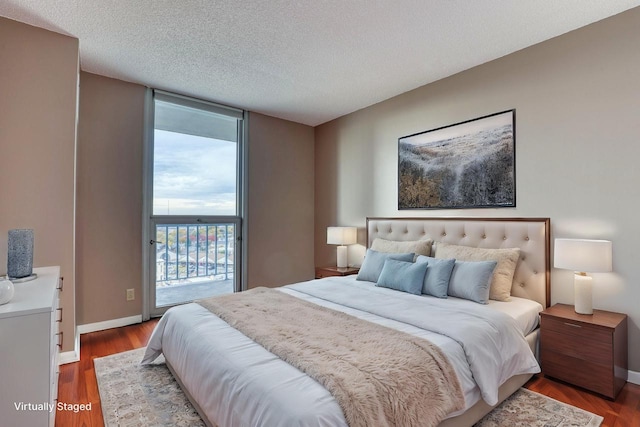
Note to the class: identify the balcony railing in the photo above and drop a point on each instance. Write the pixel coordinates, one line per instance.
(191, 251)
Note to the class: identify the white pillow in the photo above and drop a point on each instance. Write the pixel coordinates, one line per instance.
(507, 260)
(418, 247)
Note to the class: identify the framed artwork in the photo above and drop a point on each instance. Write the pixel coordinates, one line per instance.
(471, 164)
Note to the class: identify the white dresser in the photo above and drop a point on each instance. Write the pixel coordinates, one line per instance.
(29, 347)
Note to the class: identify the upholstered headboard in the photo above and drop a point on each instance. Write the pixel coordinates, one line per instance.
(531, 235)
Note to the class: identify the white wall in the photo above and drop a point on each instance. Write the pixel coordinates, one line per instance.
(577, 101)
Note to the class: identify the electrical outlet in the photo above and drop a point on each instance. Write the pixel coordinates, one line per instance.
(130, 295)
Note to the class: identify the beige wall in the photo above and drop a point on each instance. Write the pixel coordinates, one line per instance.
(38, 98)
(577, 101)
(109, 199)
(280, 202)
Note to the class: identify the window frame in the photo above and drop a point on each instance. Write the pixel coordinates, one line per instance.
(147, 181)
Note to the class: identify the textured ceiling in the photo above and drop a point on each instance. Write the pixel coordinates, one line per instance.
(307, 61)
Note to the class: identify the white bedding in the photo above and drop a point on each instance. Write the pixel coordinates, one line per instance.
(236, 382)
(525, 312)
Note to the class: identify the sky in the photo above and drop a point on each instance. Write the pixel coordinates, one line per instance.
(193, 175)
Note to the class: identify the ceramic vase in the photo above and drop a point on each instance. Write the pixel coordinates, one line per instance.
(20, 253)
(6, 291)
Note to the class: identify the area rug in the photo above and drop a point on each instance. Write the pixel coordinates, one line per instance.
(528, 408)
(132, 395)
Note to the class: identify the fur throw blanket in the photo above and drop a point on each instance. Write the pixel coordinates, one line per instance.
(378, 376)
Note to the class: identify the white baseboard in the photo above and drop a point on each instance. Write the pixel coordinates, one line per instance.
(74, 355)
(68, 357)
(108, 324)
(633, 377)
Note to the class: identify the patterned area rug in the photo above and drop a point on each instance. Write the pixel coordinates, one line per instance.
(528, 408)
(132, 395)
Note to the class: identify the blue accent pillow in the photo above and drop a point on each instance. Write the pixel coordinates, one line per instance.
(471, 280)
(402, 276)
(374, 261)
(436, 281)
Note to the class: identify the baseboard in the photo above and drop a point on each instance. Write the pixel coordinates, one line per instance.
(633, 377)
(68, 357)
(109, 324)
(73, 355)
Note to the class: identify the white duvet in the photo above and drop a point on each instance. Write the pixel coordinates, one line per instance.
(236, 382)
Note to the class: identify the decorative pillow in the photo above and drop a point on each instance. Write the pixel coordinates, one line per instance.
(507, 260)
(419, 247)
(402, 276)
(470, 280)
(374, 261)
(436, 281)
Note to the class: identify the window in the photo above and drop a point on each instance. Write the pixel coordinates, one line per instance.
(194, 223)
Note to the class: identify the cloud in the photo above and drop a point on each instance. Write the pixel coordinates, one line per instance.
(193, 175)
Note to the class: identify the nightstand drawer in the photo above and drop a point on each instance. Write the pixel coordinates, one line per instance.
(570, 327)
(578, 346)
(589, 351)
(589, 375)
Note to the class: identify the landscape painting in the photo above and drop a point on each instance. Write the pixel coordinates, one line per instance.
(465, 165)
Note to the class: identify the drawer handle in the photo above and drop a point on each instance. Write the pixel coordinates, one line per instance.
(573, 325)
(61, 284)
(60, 318)
(61, 338)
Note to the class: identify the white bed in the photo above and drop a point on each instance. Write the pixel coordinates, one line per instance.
(233, 381)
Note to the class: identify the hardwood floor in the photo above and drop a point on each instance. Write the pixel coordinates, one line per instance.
(623, 412)
(77, 383)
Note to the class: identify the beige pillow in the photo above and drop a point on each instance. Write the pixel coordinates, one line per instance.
(418, 247)
(507, 260)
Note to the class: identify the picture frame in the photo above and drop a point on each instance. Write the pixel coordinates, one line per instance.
(470, 164)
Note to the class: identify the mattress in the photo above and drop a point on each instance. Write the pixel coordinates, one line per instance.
(236, 382)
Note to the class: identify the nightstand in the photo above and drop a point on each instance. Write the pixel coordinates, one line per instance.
(586, 350)
(335, 271)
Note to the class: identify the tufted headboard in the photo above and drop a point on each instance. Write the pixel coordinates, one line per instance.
(531, 235)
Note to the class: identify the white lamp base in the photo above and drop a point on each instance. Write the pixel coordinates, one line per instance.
(583, 294)
(342, 256)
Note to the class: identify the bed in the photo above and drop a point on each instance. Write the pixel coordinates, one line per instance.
(233, 381)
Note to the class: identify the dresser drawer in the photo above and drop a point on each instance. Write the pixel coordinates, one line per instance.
(570, 327)
(589, 375)
(578, 346)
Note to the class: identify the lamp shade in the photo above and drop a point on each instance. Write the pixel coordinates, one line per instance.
(342, 235)
(588, 256)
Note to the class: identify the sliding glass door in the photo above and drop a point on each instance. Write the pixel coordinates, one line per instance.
(194, 223)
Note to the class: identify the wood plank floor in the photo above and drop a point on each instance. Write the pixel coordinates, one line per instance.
(77, 383)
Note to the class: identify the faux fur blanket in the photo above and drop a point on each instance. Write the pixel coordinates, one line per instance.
(378, 376)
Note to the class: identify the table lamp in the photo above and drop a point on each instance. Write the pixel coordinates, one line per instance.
(582, 256)
(342, 236)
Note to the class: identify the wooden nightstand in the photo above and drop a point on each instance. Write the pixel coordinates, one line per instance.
(586, 350)
(335, 271)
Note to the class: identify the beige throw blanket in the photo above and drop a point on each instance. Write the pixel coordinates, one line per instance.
(378, 376)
